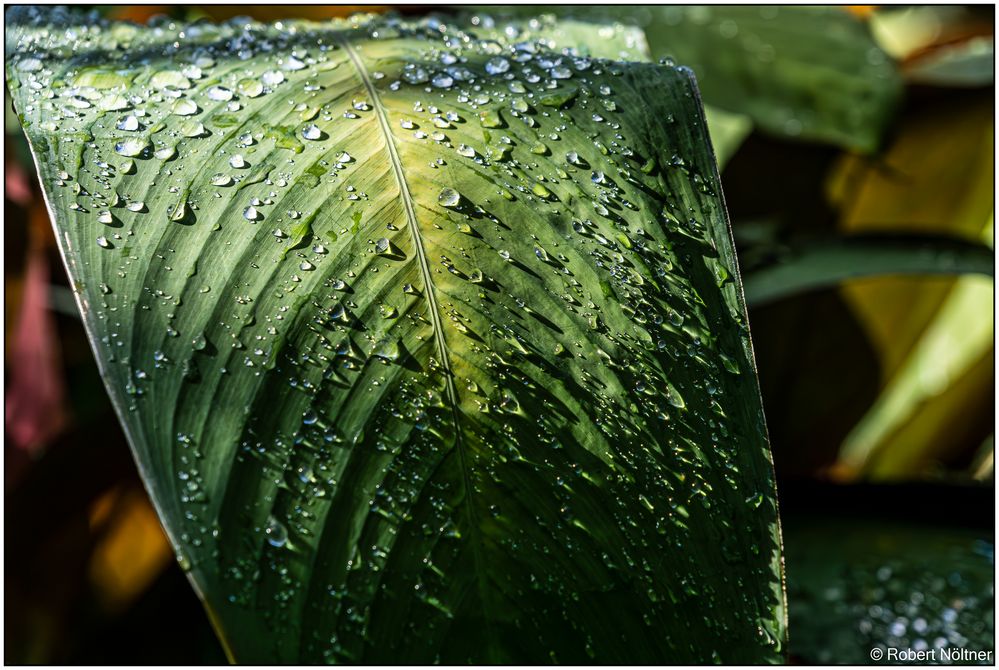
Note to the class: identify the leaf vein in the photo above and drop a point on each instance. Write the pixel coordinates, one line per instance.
(442, 351)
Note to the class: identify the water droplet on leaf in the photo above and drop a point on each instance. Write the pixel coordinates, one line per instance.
(449, 197)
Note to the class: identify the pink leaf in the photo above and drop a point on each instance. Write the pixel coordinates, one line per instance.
(35, 411)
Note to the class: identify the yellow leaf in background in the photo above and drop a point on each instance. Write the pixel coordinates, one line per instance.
(933, 335)
(935, 177)
(944, 381)
(904, 31)
(909, 31)
(132, 550)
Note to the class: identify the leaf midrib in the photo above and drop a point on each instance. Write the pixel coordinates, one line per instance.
(435, 320)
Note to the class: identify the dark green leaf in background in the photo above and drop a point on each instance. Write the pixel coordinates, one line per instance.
(429, 348)
(825, 262)
(809, 72)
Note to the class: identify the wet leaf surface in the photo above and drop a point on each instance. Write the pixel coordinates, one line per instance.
(428, 347)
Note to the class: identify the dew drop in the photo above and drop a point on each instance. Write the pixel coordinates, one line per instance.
(193, 128)
(442, 80)
(414, 74)
(169, 79)
(272, 77)
(185, 107)
(219, 94)
(277, 534)
(674, 398)
(29, 65)
(497, 65)
(113, 102)
(130, 147)
(540, 190)
(449, 197)
(251, 88)
(129, 123)
(387, 350)
(490, 118)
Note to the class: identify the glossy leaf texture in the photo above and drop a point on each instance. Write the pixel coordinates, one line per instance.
(808, 73)
(616, 41)
(430, 348)
(612, 40)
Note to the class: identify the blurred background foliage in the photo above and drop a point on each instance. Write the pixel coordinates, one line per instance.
(855, 143)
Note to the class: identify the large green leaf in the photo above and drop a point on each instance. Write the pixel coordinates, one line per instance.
(429, 348)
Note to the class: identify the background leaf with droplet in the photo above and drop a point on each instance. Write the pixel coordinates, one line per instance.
(810, 73)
